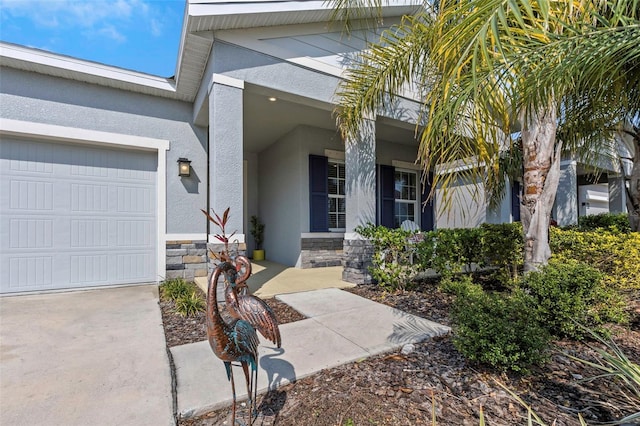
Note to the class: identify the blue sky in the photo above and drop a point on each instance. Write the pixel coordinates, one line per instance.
(140, 35)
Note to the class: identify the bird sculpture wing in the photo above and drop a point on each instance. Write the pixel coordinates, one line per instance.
(246, 340)
(257, 313)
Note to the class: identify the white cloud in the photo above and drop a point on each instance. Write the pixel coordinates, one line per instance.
(156, 27)
(93, 16)
(109, 31)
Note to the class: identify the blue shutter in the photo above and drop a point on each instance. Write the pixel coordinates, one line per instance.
(515, 201)
(318, 194)
(427, 216)
(387, 196)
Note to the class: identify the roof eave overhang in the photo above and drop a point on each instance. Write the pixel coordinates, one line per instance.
(204, 17)
(43, 62)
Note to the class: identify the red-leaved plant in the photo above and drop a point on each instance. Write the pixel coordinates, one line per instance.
(221, 222)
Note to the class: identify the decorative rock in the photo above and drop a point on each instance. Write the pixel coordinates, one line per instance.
(408, 348)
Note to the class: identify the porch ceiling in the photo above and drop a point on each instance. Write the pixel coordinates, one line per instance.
(265, 121)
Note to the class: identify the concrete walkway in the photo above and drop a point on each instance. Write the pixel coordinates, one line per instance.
(340, 328)
(95, 357)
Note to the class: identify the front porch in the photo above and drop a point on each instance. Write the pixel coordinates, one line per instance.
(271, 278)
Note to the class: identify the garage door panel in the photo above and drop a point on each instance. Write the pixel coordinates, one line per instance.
(30, 233)
(27, 273)
(76, 216)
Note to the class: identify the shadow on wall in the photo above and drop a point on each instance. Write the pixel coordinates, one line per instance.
(191, 183)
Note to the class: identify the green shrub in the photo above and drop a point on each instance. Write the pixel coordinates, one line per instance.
(174, 288)
(455, 250)
(460, 286)
(190, 304)
(391, 262)
(502, 331)
(616, 255)
(570, 295)
(502, 247)
(614, 222)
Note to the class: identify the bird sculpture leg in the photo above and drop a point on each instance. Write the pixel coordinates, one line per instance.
(248, 377)
(227, 366)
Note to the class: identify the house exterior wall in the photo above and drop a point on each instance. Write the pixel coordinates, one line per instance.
(269, 72)
(468, 206)
(284, 190)
(34, 97)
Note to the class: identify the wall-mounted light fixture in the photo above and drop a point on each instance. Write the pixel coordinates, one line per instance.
(184, 167)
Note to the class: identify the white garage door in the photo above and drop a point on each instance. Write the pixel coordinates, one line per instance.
(75, 216)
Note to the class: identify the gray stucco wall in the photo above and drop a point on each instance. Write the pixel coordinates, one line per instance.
(34, 97)
(251, 196)
(283, 189)
(468, 207)
(387, 151)
(267, 71)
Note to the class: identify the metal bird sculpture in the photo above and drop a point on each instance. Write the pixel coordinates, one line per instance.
(235, 341)
(251, 308)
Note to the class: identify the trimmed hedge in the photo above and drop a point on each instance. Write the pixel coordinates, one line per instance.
(613, 222)
(570, 295)
(615, 254)
(500, 330)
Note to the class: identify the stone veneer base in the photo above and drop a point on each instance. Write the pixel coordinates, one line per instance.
(357, 260)
(186, 259)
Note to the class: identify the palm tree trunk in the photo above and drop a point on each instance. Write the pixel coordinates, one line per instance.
(541, 161)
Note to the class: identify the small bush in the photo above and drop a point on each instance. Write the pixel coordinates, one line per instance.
(391, 262)
(502, 331)
(502, 247)
(189, 305)
(614, 222)
(460, 286)
(570, 295)
(616, 255)
(174, 288)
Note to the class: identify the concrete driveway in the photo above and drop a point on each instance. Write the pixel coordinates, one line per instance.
(94, 357)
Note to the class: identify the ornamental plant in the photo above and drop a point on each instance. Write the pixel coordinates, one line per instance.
(571, 295)
(503, 331)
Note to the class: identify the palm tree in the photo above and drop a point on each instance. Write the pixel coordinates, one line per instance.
(543, 77)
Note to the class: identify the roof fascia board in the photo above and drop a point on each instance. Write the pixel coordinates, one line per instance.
(47, 60)
(239, 8)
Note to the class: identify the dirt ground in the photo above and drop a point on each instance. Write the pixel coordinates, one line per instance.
(432, 382)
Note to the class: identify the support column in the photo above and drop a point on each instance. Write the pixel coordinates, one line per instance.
(566, 205)
(617, 194)
(360, 199)
(226, 155)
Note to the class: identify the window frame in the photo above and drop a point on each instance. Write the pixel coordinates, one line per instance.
(417, 216)
(330, 163)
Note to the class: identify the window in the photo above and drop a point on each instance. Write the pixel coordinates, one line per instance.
(406, 196)
(336, 183)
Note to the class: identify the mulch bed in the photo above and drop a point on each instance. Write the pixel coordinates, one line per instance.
(433, 381)
(179, 330)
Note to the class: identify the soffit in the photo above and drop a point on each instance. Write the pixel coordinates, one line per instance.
(205, 17)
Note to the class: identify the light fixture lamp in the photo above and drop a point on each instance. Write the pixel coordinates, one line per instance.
(184, 167)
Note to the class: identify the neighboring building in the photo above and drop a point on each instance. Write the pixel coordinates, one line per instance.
(90, 193)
